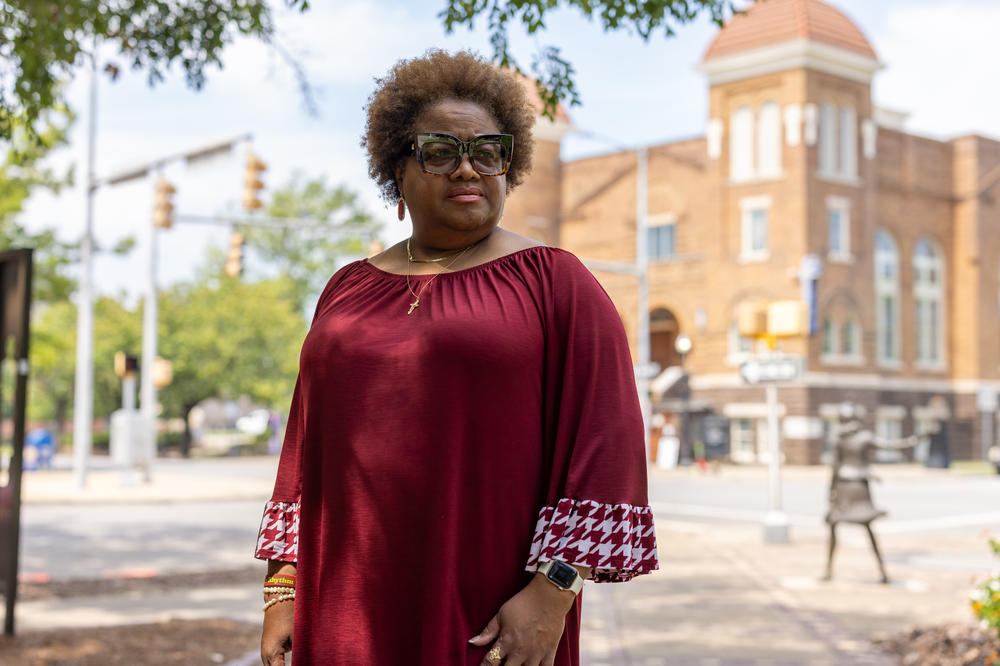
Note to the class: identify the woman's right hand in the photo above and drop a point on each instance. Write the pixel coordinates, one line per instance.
(276, 637)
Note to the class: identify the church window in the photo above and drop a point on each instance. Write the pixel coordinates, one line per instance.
(828, 140)
(928, 293)
(754, 228)
(769, 141)
(741, 144)
(886, 298)
(838, 228)
(848, 143)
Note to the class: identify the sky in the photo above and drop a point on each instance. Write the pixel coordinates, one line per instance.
(941, 66)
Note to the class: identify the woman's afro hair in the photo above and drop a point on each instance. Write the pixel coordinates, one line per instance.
(414, 85)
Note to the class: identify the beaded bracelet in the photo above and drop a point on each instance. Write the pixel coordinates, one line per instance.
(284, 597)
(279, 590)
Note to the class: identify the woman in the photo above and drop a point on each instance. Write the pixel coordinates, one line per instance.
(464, 445)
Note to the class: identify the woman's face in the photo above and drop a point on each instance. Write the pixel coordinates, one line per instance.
(448, 211)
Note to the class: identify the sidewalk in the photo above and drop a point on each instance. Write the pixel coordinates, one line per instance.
(172, 480)
(722, 595)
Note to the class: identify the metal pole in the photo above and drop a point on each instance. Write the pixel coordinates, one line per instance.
(83, 392)
(128, 393)
(775, 521)
(987, 436)
(686, 456)
(642, 272)
(147, 398)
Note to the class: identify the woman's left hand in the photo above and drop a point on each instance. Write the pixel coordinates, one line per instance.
(528, 627)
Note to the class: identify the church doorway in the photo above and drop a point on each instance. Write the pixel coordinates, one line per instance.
(663, 330)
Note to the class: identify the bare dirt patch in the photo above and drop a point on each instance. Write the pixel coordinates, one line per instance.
(944, 645)
(173, 642)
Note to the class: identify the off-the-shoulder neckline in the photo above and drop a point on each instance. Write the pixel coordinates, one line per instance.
(486, 264)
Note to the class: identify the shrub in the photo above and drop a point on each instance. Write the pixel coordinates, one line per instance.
(985, 598)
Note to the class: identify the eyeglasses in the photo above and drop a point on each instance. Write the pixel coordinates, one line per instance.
(441, 154)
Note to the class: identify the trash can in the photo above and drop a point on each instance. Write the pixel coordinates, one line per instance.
(715, 434)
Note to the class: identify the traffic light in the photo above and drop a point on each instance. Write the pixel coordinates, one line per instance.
(126, 365)
(163, 209)
(252, 183)
(234, 258)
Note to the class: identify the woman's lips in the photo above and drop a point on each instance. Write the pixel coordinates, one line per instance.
(465, 195)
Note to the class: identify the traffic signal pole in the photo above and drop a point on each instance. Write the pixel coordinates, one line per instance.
(147, 398)
(83, 388)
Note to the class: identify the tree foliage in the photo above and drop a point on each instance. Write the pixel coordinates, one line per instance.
(43, 42)
(308, 254)
(554, 74)
(53, 357)
(21, 172)
(229, 338)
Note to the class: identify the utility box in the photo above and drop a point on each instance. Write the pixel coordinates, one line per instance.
(130, 439)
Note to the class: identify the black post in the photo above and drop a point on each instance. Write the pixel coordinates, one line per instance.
(15, 311)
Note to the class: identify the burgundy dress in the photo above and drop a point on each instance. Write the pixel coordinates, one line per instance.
(433, 460)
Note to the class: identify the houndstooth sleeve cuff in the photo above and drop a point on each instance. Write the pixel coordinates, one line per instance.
(279, 532)
(617, 541)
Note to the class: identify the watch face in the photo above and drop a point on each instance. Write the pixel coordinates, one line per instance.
(562, 574)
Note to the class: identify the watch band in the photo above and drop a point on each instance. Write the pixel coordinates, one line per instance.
(558, 573)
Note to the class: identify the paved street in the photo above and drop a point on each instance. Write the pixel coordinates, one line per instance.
(722, 596)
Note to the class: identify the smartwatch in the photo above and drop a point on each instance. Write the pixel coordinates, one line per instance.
(562, 575)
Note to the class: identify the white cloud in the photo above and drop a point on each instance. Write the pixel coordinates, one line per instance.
(943, 67)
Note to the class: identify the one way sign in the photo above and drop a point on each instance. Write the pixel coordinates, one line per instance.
(760, 371)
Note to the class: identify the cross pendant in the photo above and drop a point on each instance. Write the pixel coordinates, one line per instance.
(413, 306)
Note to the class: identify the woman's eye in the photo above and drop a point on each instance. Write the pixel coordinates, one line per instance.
(488, 151)
(438, 152)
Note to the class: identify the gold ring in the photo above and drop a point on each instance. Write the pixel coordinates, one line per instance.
(494, 654)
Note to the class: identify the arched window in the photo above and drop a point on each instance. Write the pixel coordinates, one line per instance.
(886, 298)
(850, 339)
(928, 296)
(769, 141)
(848, 142)
(829, 336)
(827, 139)
(741, 140)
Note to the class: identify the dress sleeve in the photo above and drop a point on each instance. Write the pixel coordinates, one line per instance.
(596, 511)
(278, 537)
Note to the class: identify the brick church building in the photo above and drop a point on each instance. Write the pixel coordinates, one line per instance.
(797, 163)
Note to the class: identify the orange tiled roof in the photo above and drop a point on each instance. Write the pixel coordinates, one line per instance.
(769, 22)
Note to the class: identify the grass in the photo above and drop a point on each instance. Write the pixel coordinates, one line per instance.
(974, 467)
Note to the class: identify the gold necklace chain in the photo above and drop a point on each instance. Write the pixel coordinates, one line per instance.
(416, 294)
(409, 254)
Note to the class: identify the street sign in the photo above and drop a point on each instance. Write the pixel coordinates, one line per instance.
(758, 371)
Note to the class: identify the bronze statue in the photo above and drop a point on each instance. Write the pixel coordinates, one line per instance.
(850, 492)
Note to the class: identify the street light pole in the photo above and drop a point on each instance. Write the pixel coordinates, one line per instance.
(83, 391)
(682, 345)
(775, 520)
(147, 400)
